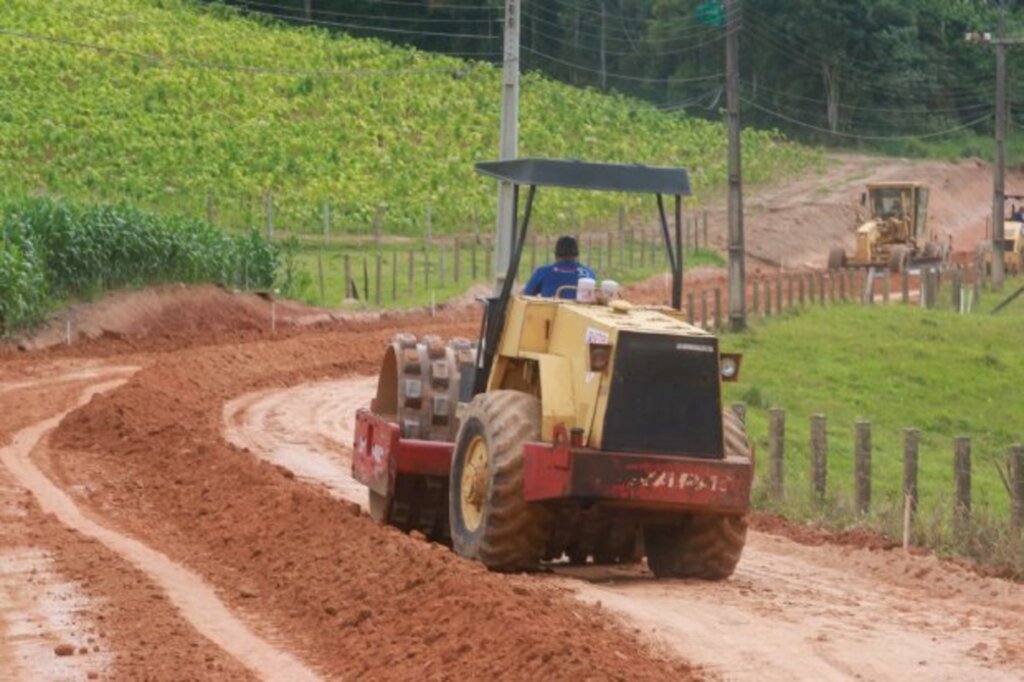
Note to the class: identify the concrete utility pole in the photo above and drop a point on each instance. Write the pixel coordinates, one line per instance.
(999, 183)
(509, 143)
(737, 253)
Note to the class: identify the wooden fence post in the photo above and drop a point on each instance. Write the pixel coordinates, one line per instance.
(394, 276)
(961, 489)
(704, 308)
(800, 290)
(789, 292)
(347, 293)
(819, 456)
(910, 443)
(956, 290)
(268, 212)
(740, 410)
(832, 285)
(718, 308)
(377, 278)
(862, 466)
(821, 287)
(366, 281)
(457, 264)
(690, 316)
(776, 452)
(411, 284)
(778, 296)
(1016, 470)
(768, 297)
(885, 288)
(757, 299)
(842, 285)
(905, 285)
(320, 272)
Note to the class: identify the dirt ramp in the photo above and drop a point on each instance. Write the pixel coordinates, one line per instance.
(173, 313)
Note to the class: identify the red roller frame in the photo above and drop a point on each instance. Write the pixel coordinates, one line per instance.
(555, 471)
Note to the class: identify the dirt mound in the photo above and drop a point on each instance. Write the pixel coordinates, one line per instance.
(352, 598)
(793, 224)
(173, 311)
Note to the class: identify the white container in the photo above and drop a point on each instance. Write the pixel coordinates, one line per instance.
(610, 288)
(585, 289)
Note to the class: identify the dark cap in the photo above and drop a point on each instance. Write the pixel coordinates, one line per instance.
(566, 247)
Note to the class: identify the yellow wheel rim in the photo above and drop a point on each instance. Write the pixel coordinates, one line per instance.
(475, 482)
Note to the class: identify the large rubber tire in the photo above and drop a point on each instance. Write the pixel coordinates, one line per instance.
(706, 546)
(509, 534)
(898, 259)
(836, 258)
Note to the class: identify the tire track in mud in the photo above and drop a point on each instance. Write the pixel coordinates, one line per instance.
(187, 591)
(790, 612)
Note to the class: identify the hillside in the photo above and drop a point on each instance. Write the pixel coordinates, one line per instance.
(161, 102)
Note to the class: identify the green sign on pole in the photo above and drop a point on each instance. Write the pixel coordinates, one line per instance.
(711, 13)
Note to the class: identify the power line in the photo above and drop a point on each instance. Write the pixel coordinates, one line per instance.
(387, 17)
(364, 27)
(857, 136)
(163, 60)
(620, 76)
(635, 52)
(901, 110)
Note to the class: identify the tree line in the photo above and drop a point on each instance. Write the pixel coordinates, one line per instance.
(822, 70)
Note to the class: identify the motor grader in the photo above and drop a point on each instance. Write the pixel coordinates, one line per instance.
(571, 430)
(895, 236)
(1013, 239)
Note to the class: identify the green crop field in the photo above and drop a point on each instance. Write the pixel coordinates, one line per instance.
(163, 103)
(896, 366)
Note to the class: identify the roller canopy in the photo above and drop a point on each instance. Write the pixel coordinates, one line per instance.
(585, 175)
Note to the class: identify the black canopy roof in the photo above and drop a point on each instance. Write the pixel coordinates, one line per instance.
(585, 175)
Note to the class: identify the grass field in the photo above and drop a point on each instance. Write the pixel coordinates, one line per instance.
(897, 366)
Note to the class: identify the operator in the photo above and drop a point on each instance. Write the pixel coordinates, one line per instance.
(564, 272)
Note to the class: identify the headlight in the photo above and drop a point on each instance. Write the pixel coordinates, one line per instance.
(600, 356)
(730, 366)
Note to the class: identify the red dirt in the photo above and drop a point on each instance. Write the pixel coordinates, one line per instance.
(127, 617)
(349, 596)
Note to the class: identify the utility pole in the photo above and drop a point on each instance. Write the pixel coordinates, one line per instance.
(999, 176)
(509, 143)
(737, 253)
(604, 53)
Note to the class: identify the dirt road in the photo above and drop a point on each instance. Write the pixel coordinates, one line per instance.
(175, 503)
(790, 612)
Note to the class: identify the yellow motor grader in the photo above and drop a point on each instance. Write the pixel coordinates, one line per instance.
(580, 430)
(1013, 239)
(895, 236)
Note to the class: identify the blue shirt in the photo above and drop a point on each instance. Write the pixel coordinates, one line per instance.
(548, 278)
